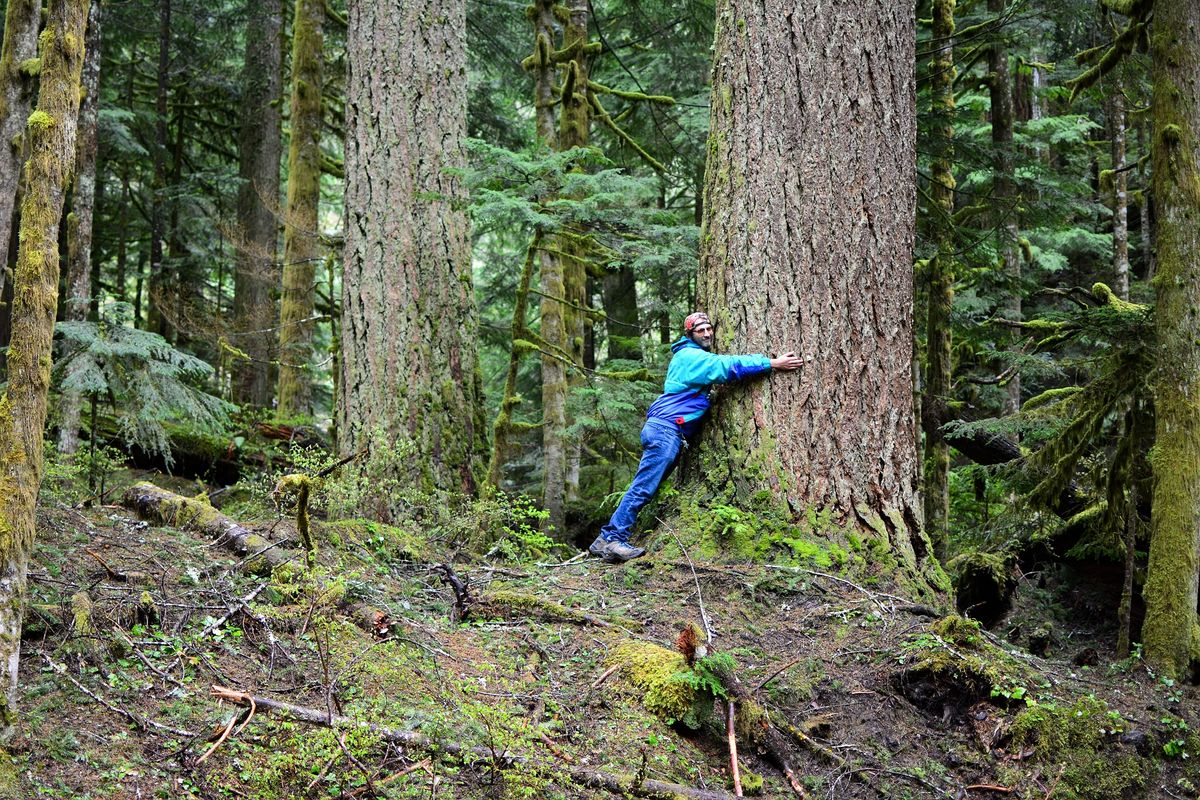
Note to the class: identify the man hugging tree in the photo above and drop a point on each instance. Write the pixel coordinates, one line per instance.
(673, 419)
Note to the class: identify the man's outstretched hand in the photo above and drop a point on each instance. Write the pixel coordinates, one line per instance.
(786, 362)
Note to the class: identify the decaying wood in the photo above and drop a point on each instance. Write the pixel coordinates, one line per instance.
(595, 779)
(769, 738)
(462, 592)
(161, 506)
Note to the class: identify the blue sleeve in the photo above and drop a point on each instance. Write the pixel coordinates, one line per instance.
(698, 368)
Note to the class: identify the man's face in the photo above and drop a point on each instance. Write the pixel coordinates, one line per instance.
(702, 335)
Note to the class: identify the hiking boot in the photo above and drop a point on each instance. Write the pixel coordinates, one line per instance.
(599, 547)
(618, 552)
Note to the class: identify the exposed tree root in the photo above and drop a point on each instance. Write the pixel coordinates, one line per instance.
(595, 779)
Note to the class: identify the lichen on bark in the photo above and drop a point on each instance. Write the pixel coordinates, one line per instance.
(23, 404)
(1170, 632)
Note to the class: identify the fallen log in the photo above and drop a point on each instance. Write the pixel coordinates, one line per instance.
(259, 555)
(591, 778)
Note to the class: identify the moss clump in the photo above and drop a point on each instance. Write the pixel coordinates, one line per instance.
(387, 543)
(669, 691)
(504, 602)
(40, 121)
(1079, 740)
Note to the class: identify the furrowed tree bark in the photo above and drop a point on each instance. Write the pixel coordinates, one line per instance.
(1170, 632)
(79, 221)
(301, 244)
(409, 354)
(1004, 189)
(941, 270)
(51, 133)
(18, 79)
(259, 150)
(807, 245)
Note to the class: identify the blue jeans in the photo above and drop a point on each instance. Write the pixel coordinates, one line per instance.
(661, 443)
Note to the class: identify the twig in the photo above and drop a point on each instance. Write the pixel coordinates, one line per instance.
(777, 672)
(604, 676)
(733, 761)
(113, 575)
(988, 787)
(144, 723)
(699, 597)
(1054, 785)
(578, 558)
(424, 764)
(872, 596)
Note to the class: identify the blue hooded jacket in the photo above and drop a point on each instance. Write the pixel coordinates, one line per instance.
(692, 372)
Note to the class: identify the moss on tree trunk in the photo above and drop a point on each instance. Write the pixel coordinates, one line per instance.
(1170, 632)
(18, 78)
(51, 132)
(300, 241)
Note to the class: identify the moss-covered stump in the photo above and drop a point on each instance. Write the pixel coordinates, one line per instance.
(950, 666)
(983, 585)
(1087, 745)
(669, 690)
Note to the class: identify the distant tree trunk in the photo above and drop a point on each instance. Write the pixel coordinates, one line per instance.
(1170, 632)
(51, 133)
(409, 324)
(1120, 209)
(1144, 215)
(80, 287)
(1004, 189)
(301, 243)
(941, 280)
(17, 83)
(621, 313)
(259, 150)
(807, 245)
(575, 131)
(157, 285)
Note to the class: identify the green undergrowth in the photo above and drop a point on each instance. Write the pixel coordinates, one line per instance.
(954, 652)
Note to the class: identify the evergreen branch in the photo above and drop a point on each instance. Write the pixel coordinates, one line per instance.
(628, 95)
(604, 116)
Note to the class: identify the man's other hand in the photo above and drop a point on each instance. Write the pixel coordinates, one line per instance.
(786, 362)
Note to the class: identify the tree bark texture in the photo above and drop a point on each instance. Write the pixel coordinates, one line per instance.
(1004, 189)
(936, 485)
(1170, 632)
(807, 245)
(259, 150)
(621, 314)
(17, 84)
(51, 133)
(301, 243)
(410, 365)
(79, 221)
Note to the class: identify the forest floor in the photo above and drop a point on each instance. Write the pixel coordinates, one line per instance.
(131, 624)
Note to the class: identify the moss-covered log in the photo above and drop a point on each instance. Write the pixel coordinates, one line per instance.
(260, 555)
(301, 242)
(1170, 632)
(51, 133)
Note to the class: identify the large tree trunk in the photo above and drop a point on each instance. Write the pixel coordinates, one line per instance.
(809, 215)
(410, 365)
(21, 21)
(51, 133)
(259, 151)
(79, 222)
(301, 244)
(621, 315)
(936, 485)
(1170, 632)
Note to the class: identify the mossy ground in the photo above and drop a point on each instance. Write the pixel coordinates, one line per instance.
(513, 681)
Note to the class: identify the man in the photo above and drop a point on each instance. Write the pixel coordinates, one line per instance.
(672, 419)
